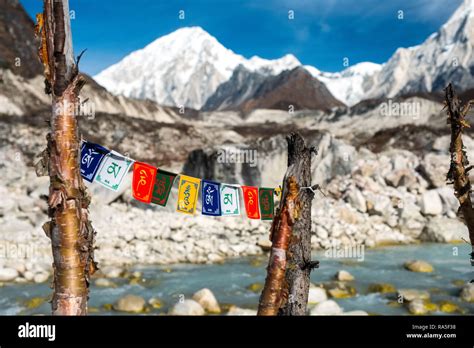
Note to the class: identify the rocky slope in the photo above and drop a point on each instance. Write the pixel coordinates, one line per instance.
(17, 42)
(241, 86)
(445, 56)
(372, 199)
(296, 88)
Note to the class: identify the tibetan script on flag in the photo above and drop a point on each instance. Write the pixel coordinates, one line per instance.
(250, 194)
(162, 188)
(211, 201)
(91, 157)
(113, 169)
(230, 200)
(266, 203)
(187, 194)
(144, 177)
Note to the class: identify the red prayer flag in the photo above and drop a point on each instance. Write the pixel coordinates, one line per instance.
(144, 177)
(250, 194)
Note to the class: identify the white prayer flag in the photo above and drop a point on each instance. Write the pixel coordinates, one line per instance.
(230, 200)
(112, 170)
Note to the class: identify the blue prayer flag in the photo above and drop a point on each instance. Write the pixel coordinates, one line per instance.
(91, 157)
(211, 201)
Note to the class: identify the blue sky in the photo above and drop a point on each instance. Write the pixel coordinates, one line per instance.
(322, 33)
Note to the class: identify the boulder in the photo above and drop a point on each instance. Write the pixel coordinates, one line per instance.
(357, 200)
(328, 307)
(342, 293)
(317, 295)
(449, 307)
(347, 215)
(7, 204)
(410, 220)
(8, 274)
(29, 276)
(156, 303)
(416, 307)
(431, 203)
(187, 307)
(130, 303)
(412, 294)
(207, 300)
(401, 177)
(441, 229)
(450, 202)
(467, 293)
(41, 277)
(264, 243)
(418, 266)
(344, 276)
(382, 288)
(379, 204)
(255, 287)
(340, 290)
(234, 310)
(441, 144)
(435, 167)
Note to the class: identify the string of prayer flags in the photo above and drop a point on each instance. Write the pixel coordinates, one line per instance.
(112, 170)
(230, 200)
(250, 194)
(187, 194)
(267, 204)
(144, 177)
(91, 157)
(152, 185)
(211, 200)
(162, 188)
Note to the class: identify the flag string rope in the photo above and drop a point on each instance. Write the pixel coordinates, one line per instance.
(153, 185)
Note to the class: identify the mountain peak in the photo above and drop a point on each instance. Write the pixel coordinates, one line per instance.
(363, 68)
(184, 67)
(463, 13)
(444, 57)
(187, 33)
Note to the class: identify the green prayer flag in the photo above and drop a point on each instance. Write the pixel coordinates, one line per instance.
(265, 198)
(162, 188)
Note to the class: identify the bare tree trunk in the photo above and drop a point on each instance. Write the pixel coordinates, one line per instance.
(459, 168)
(72, 236)
(288, 272)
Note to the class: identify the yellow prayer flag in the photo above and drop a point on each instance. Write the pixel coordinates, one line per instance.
(278, 191)
(187, 194)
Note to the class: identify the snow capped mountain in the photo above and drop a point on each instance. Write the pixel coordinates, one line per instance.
(445, 56)
(182, 68)
(350, 85)
(187, 66)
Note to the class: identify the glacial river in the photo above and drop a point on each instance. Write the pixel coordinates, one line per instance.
(230, 281)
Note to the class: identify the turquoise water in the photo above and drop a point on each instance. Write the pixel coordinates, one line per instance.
(229, 281)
